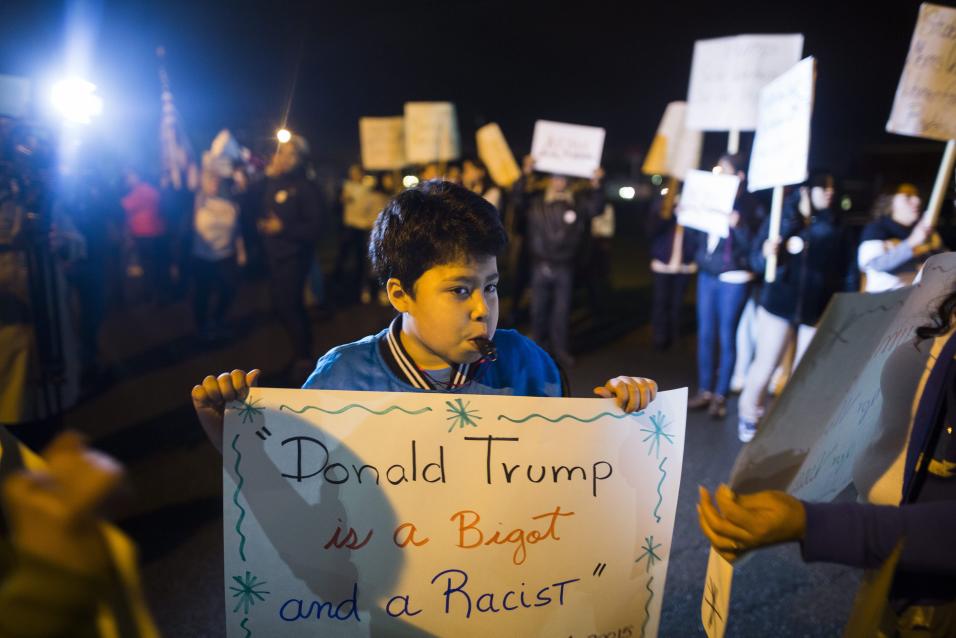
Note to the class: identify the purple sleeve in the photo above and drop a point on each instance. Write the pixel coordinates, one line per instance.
(863, 535)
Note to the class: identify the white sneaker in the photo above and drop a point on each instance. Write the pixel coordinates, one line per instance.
(746, 430)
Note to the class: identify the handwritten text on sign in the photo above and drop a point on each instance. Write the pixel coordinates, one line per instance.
(360, 513)
(567, 149)
(383, 143)
(782, 142)
(431, 132)
(925, 104)
(728, 73)
(707, 201)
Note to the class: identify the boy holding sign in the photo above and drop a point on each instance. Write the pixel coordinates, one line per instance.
(435, 248)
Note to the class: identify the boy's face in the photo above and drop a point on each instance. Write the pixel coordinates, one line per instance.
(454, 303)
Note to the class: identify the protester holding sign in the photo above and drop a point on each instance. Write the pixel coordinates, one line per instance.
(474, 177)
(814, 261)
(723, 282)
(923, 595)
(672, 264)
(557, 219)
(289, 227)
(434, 248)
(895, 244)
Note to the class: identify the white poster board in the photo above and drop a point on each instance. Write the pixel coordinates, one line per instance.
(420, 514)
(675, 149)
(567, 149)
(431, 132)
(727, 74)
(383, 143)
(494, 152)
(925, 103)
(782, 144)
(707, 201)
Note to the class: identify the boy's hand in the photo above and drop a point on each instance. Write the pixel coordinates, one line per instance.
(630, 393)
(52, 512)
(212, 395)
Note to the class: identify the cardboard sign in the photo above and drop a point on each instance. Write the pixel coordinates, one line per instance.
(727, 74)
(675, 149)
(925, 103)
(837, 421)
(494, 151)
(381, 514)
(782, 143)
(383, 143)
(567, 149)
(837, 397)
(431, 132)
(707, 201)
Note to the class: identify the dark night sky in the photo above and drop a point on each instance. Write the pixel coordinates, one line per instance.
(600, 63)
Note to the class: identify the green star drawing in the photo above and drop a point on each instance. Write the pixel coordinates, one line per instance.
(460, 414)
(249, 411)
(247, 592)
(649, 547)
(659, 423)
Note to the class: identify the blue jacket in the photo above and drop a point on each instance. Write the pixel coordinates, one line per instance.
(521, 369)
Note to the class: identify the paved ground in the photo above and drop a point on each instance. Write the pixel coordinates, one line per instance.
(174, 510)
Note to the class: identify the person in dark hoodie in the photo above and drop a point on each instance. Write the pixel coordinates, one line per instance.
(289, 225)
(672, 264)
(814, 261)
(723, 282)
(557, 219)
(897, 242)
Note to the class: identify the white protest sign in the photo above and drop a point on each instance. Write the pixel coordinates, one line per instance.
(675, 149)
(782, 142)
(494, 151)
(567, 149)
(431, 132)
(383, 143)
(707, 201)
(375, 513)
(727, 74)
(925, 103)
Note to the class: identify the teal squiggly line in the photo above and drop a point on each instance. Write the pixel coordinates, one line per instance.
(647, 606)
(660, 496)
(569, 416)
(235, 499)
(352, 406)
(243, 625)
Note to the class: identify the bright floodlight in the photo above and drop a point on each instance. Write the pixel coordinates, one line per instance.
(665, 191)
(76, 100)
(409, 181)
(627, 192)
(283, 135)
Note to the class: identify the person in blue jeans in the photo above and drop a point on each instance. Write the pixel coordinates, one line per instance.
(723, 284)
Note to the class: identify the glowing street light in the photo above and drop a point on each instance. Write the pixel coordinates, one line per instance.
(283, 135)
(76, 100)
(409, 181)
(627, 192)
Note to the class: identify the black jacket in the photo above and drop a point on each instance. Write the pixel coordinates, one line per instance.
(733, 251)
(824, 265)
(660, 232)
(556, 230)
(294, 199)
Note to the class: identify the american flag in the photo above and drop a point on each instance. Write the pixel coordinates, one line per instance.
(176, 154)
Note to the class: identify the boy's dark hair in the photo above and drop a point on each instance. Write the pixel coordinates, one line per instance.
(434, 223)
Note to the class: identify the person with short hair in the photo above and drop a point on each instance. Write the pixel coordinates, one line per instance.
(434, 248)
